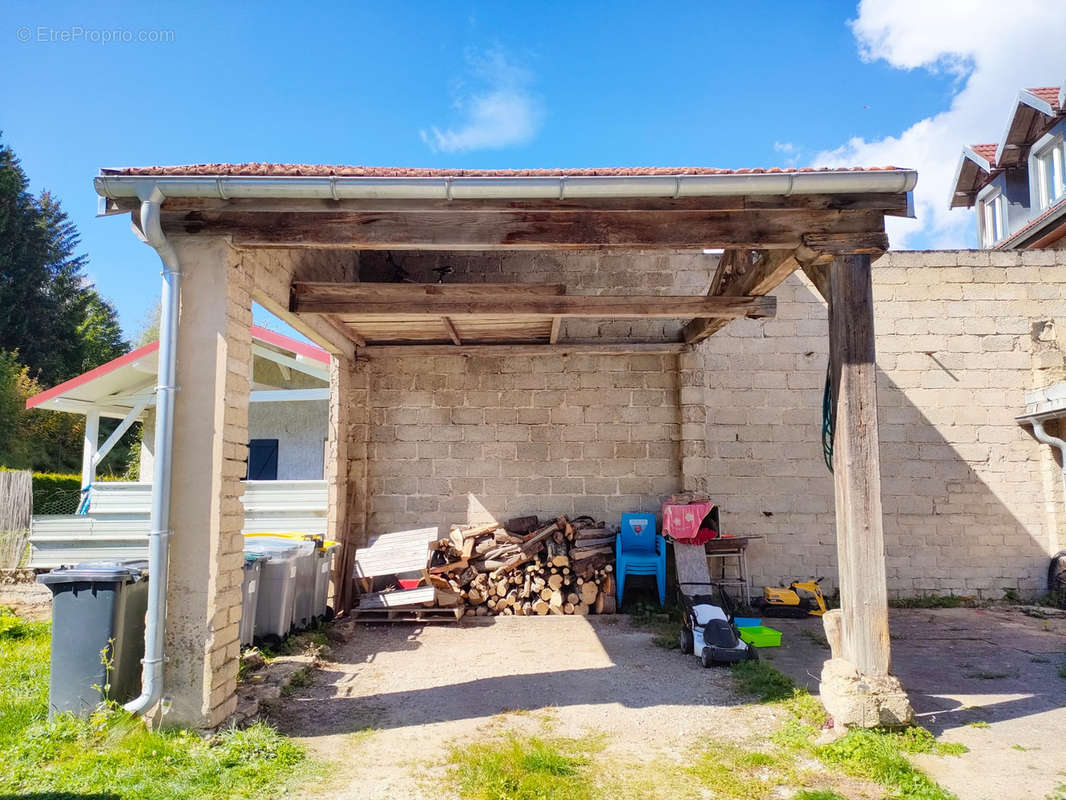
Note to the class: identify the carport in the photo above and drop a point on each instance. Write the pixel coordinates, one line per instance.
(394, 269)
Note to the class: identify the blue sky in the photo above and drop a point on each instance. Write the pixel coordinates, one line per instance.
(471, 84)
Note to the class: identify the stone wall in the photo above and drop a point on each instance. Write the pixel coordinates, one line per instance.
(971, 501)
(461, 439)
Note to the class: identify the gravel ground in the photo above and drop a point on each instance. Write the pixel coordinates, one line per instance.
(414, 691)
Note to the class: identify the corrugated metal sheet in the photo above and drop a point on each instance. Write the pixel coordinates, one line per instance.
(116, 527)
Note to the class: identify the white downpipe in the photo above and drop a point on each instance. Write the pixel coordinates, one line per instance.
(1046, 438)
(151, 232)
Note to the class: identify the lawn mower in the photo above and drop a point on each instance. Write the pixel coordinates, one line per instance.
(780, 601)
(708, 630)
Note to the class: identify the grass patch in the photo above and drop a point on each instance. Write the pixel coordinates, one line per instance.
(733, 773)
(1062, 670)
(299, 679)
(112, 753)
(818, 794)
(772, 686)
(978, 723)
(879, 757)
(516, 768)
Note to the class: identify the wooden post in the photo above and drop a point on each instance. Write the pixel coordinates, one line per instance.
(856, 467)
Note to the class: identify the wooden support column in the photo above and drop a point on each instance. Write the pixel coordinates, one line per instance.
(346, 471)
(856, 467)
(89, 447)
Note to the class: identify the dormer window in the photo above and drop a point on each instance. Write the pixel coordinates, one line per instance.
(991, 215)
(1047, 172)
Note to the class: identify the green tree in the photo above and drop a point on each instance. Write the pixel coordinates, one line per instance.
(49, 313)
(46, 441)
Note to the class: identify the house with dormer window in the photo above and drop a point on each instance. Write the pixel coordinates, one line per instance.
(1018, 184)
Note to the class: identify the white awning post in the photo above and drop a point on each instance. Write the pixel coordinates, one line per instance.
(89, 447)
(112, 440)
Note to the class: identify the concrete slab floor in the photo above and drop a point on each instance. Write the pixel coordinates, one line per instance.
(988, 678)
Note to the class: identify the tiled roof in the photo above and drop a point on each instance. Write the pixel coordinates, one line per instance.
(1032, 224)
(1049, 94)
(986, 151)
(341, 171)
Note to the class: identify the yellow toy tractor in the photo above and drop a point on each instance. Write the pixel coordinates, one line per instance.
(779, 601)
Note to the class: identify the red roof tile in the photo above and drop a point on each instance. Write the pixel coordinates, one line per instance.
(1036, 222)
(986, 151)
(1049, 94)
(341, 171)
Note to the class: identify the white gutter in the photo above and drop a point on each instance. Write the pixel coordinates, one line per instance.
(151, 232)
(233, 187)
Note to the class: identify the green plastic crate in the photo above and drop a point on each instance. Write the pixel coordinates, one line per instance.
(761, 636)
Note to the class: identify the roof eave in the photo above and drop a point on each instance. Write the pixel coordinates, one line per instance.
(223, 187)
(971, 155)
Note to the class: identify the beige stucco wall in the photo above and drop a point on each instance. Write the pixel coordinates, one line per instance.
(971, 501)
(300, 428)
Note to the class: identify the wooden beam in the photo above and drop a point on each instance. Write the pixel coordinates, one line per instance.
(537, 230)
(353, 302)
(405, 291)
(579, 348)
(454, 334)
(871, 243)
(557, 324)
(888, 203)
(739, 273)
(856, 467)
(344, 330)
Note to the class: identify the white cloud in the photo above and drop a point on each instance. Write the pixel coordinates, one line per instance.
(993, 50)
(784, 147)
(500, 112)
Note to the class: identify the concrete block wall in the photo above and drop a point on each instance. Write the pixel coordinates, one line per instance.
(468, 439)
(972, 503)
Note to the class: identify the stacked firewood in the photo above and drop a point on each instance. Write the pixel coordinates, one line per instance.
(526, 568)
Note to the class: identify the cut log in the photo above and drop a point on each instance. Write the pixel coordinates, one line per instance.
(572, 599)
(541, 607)
(581, 609)
(589, 591)
(546, 593)
(555, 581)
(557, 599)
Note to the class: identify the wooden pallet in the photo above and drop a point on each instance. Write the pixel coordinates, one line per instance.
(407, 614)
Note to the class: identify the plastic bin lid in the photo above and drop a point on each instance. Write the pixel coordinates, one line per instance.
(252, 557)
(97, 572)
(264, 544)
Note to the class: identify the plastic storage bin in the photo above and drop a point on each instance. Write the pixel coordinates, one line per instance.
(303, 605)
(98, 613)
(747, 622)
(760, 636)
(277, 587)
(253, 569)
(324, 555)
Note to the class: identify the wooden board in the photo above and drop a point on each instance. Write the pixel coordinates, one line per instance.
(690, 562)
(397, 599)
(408, 614)
(392, 553)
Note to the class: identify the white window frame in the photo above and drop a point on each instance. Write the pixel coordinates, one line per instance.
(991, 203)
(1048, 151)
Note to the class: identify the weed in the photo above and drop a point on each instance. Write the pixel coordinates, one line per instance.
(932, 601)
(878, 757)
(1022, 748)
(361, 735)
(1062, 670)
(989, 675)
(771, 686)
(978, 723)
(733, 773)
(300, 679)
(522, 769)
(818, 794)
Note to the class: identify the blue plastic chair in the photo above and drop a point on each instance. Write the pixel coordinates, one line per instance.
(639, 550)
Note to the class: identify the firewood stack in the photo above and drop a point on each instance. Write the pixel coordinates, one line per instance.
(526, 569)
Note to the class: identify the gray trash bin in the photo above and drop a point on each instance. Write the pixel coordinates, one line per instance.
(303, 603)
(324, 555)
(97, 607)
(277, 587)
(253, 568)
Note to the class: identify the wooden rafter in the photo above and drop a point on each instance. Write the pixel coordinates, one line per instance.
(741, 273)
(353, 301)
(454, 334)
(575, 348)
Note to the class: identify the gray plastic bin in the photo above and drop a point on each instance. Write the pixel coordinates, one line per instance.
(253, 568)
(324, 555)
(97, 607)
(303, 604)
(277, 587)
